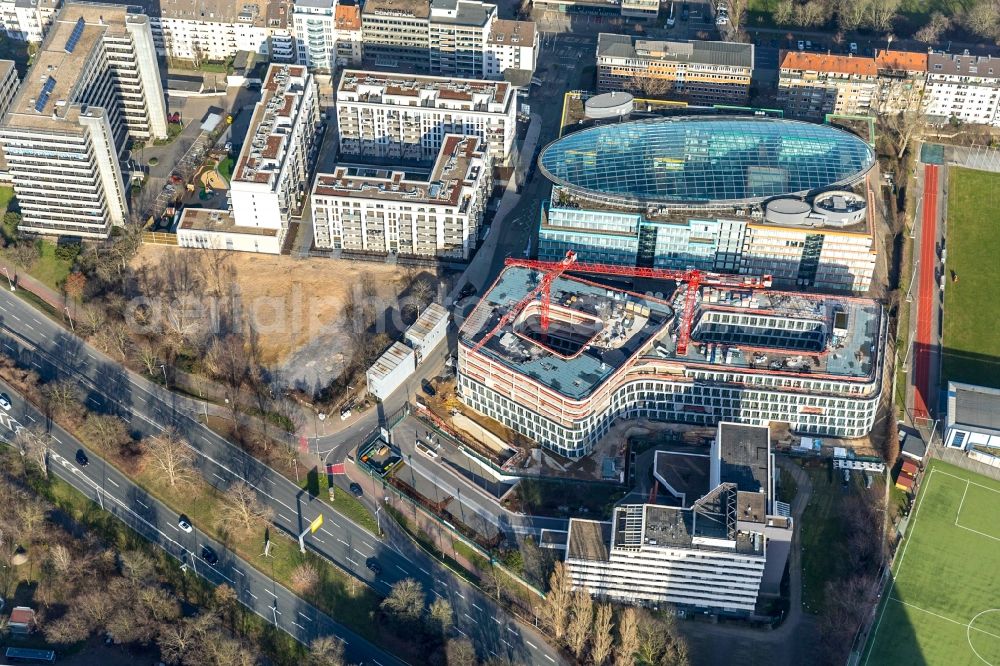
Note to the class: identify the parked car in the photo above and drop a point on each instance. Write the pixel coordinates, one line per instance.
(374, 566)
(427, 388)
(209, 555)
(184, 524)
(81, 458)
(5, 401)
(802, 45)
(356, 490)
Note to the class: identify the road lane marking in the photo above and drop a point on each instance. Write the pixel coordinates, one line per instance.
(403, 570)
(140, 502)
(531, 645)
(271, 593)
(220, 478)
(344, 542)
(476, 607)
(112, 482)
(321, 541)
(437, 593)
(461, 632)
(298, 625)
(549, 658)
(326, 531)
(282, 516)
(459, 594)
(513, 631)
(251, 594)
(496, 620)
(469, 616)
(307, 618)
(504, 641)
(238, 572)
(352, 561)
(368, 546)
(425, 571)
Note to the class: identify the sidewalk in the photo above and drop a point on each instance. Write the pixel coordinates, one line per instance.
(22, 280)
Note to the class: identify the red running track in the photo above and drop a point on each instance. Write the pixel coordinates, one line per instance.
(923, 395)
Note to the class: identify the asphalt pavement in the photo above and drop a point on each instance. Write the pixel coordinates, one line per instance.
(42, 345)
(156, 522)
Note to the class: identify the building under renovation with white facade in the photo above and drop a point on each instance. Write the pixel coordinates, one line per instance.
(717, 545)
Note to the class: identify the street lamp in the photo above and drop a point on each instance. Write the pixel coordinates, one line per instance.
(909, 292)
(378, 523)
(10, 281)
(164, 368)
(72, 327)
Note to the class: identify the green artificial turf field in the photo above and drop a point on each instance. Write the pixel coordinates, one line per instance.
(943, 607)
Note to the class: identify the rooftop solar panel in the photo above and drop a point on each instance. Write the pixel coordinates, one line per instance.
(43, 97)
(75, 37)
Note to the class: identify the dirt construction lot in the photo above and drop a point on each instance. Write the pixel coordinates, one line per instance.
(296, 305)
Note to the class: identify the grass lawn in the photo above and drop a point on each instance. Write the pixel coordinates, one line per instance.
(823, 556)
(49, 268)
(348, 505)
(972, 309)
(6, 194)
(943, 607)
(226, 168)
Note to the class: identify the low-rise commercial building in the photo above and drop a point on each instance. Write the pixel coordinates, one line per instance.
(390, 370)
(697, 71)
(370, 209)
(93, 84)
(964, 87)
(812, 85)
(720, 547)
(384, 115)
(428, 331)
(811, 362)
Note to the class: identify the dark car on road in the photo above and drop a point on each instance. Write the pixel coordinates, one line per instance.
(81, 458)
(209, 555)
(374, 566)
(356, 490)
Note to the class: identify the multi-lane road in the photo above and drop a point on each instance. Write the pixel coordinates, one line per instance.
(149, 517)
(40, 344)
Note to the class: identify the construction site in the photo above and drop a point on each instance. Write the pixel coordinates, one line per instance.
(559, 358)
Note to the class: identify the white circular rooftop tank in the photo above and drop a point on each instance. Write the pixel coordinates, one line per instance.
(840, 208)
(608, 105)
(787, 211)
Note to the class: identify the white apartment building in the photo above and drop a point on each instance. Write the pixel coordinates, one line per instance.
(385, 115)
(717, 551)
(445, 37)
(812, 85)
(698, 71)
(511, 45)
(377, 210)
(811, 362)
(964, 87)
(27, 20)
(272, 171)
(214, 30)
(327, 34)
(93, 83)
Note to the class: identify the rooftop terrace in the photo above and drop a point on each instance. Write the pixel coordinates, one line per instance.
(595, 330)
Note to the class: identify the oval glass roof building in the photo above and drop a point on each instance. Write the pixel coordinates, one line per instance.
(699, 161)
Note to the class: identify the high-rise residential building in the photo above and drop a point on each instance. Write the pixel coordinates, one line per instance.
(382, 115)
(93, 83)
(902, 76)
(812, 85)
(964, 87)
(272, 173)
(328, 34)
(718, 548)
(445, 37)
(696, 71)
(375, 210)
(812, 362)
(718, 193)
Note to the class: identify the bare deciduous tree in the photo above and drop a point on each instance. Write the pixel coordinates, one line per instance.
(459, 652)
(581, 622)
(62, 398)
(628, 638)
(326, 651)
(555, 607)
(172, 456)
(603, 641)
(179, 640)
(931, 32)
(32, 444)
(441, 615)
(406, 600)
(244, 509)
(304, 578)
(105, 432)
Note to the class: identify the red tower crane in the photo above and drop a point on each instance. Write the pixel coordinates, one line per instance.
(694, 279)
